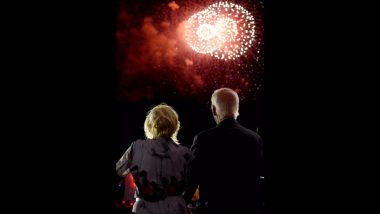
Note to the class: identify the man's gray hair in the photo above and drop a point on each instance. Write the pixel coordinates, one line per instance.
(226, 102)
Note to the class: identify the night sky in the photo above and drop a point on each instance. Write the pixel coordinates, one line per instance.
(154, 60)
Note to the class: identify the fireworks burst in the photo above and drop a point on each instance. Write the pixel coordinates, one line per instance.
(171, 50)
(223, 30)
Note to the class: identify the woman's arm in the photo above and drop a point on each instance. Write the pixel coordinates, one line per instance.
(123, 165)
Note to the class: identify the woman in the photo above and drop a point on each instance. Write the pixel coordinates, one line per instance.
(159, 165)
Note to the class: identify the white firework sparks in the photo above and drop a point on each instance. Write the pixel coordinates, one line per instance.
(223, 30)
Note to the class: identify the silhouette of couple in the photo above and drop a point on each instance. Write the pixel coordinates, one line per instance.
(223, 163)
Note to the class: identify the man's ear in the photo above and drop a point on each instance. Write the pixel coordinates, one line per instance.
(213, 109)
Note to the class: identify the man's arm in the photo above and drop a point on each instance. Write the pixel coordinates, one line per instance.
(194, 167)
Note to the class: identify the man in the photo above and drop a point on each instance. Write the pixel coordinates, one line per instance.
(227, 161)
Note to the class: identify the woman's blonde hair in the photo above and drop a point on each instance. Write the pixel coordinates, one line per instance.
(162, 121)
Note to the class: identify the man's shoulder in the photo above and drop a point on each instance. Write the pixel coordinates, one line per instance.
(249, 131)
(206, 132)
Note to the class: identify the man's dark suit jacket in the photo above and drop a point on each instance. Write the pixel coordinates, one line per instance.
(226, 166)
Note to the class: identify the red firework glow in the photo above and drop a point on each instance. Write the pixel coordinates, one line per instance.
(187, 49)
(223, 30)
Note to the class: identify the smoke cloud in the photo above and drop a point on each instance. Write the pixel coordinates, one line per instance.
(149, 60)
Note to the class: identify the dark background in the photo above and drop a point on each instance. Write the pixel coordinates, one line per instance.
(145, 79)
(59, 109)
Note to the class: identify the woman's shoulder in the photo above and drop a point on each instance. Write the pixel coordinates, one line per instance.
(140, 143)
(183, 149)
(185, 152)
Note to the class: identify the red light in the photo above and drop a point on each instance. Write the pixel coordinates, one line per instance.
(131, 181)
(131, 203)
(123, 202)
